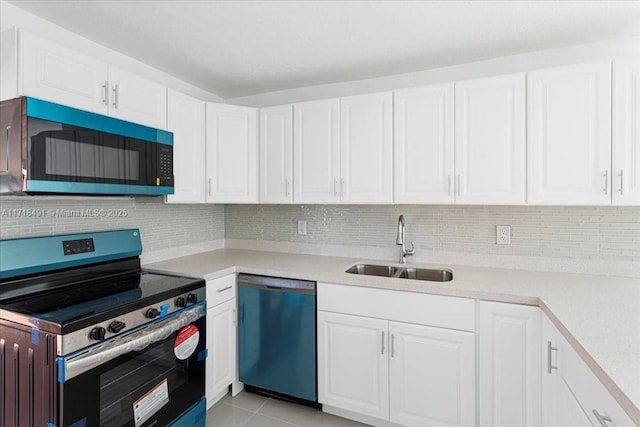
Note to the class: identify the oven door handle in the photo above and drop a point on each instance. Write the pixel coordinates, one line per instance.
(84, 360)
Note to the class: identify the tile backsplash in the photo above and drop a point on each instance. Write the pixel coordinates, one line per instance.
(598, 233)
(161, 226)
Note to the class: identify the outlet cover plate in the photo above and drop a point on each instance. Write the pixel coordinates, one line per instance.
(503, 234)
(302, 228)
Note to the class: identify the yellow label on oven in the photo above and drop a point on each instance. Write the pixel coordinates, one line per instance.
(157, 181)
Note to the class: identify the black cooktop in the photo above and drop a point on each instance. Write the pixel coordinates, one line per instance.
(76, 299)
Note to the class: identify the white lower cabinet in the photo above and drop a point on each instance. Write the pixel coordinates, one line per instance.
(509, 365)
(388, 372)
(571, 393)
(431, 376)
(353, 367)
(221, 337)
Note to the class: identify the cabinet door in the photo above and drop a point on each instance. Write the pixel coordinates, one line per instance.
(232, 154)
(186, 121)
(353, 370)
(366, 149)
(221, 345)
(572, 393)
(136, 99)
(276, 154)
(509, 365)
(54, 73)
(489, 140)
(316, 151)
(432, 376)
(569, 135)
(423, 144)
(626, 132)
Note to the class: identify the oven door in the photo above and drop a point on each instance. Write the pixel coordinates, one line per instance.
(148, 377)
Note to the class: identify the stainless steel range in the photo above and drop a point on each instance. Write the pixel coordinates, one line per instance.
(89, 339)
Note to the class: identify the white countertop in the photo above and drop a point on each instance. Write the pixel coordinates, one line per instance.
(599, 315)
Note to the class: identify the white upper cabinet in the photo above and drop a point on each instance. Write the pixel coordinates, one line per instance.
(137, 99)
(316, 149)
(232, 154)
(626, 132)
(55, 73)
(490, 140)
(423, 144)
(509, 364)
(569, 135)
(186, 120)
(366, 148)
(276, 154)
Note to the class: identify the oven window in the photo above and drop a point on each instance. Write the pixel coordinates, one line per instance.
(125, 384)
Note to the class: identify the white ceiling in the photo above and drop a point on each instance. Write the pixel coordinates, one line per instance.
(238, 48)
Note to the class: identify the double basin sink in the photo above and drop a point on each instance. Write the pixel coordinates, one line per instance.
(401, 272)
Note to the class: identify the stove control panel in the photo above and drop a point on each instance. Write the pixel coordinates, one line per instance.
(80, 246)
(126, 322)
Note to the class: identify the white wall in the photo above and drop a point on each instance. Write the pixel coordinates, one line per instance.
(11, 16)
(628, 47)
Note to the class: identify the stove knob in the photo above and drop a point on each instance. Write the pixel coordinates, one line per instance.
(97, 333)
(116, 326)
(181, 302)
(152, 313)
(192, 298)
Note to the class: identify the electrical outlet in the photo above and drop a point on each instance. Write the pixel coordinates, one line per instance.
(503, 234)
(302, 227)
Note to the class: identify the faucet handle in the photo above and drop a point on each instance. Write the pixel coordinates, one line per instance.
(412, 250)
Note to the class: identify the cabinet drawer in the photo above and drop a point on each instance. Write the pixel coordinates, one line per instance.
(410, 307)
(221, 289)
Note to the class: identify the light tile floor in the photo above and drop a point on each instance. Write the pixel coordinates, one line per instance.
(252, 410)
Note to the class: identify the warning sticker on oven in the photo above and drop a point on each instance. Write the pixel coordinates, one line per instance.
(150, 403)
(186, 342)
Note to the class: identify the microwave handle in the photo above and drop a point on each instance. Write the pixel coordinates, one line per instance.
(7, 148)
(77, 364)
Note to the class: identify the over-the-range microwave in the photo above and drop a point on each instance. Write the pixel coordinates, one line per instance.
(51, 148)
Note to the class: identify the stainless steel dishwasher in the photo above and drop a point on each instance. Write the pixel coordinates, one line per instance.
(277, 336)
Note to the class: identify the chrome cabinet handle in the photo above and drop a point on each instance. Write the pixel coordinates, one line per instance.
(235, 317)
(550, 348)
(458, 184)
(115, 91)
(393, 340)
(606, 181)
(602, 419)
(209, 191)
(335, 188)
(382, 344)
(449, 180)
(621, 182)
(342, 186)
(224, 289)
(105, 92)
(286, 187)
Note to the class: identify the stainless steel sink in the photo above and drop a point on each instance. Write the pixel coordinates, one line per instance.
(402, 272)
(426, 274)
(373, 270)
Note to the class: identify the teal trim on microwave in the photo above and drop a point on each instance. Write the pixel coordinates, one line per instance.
(34, 185)
(45, 110)
(24, 256)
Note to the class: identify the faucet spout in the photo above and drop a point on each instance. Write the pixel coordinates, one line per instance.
(400, 236)
(400, 239)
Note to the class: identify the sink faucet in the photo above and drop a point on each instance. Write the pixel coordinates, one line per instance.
(400, 241)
